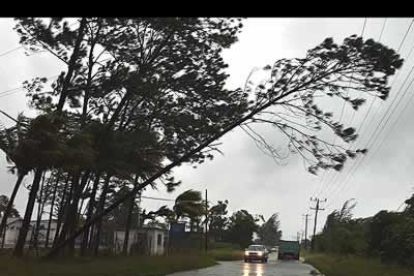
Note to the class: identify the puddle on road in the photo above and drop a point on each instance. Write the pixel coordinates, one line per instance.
(252, 269)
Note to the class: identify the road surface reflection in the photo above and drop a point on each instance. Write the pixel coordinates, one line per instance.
(252, 269)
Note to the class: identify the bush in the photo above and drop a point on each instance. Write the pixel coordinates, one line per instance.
(334, 265)
(226, 245)
(105, 266)
(226, 254)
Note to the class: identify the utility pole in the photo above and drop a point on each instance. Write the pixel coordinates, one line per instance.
(206, 225)
(306, 230)
(317, 209)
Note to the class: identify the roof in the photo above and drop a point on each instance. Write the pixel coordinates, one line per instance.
(157, 226)
(11, 220)
(14, 220)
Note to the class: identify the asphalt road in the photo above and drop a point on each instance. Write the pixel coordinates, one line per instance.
(239, 268)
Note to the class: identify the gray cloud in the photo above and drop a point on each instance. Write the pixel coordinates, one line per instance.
(245, 176)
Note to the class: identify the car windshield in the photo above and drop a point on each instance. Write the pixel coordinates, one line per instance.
(255, 248)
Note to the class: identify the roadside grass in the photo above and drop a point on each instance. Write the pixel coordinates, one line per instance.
(331, 265)
(223, 251)
(105, 266)
(226, 254)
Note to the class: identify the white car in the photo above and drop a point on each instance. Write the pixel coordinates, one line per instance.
(256, 252)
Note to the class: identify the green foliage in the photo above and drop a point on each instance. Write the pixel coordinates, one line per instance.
(387, 235)
(188, 204)
(227, 254)
(269, 232)
(226, 245)
(104, 266)
(337, 265)
(379, 229)
(294, 85)
(217, 220)
(160, 94)
(241, 227)
(342, 234)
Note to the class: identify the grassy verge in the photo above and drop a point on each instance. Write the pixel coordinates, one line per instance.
(354, 266)
(106, 266)
(226, 254)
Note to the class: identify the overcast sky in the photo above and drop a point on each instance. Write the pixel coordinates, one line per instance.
(246, 177)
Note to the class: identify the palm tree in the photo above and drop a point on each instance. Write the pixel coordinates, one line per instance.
(42, 148)
(9, 142)
(189, 204)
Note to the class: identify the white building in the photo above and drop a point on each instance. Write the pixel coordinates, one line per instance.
(151, 239)
(13, 227)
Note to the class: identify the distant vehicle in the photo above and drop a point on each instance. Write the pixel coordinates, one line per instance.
(288, 250)
(274, 249)
(256, 252)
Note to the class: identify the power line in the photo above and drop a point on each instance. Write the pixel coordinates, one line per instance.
(10, 90)
(405, 36)
(18, 89)
(347, 91)
(157, 198)
(11, 51)
(396, 121)
(375, 98)
(401, 205)
(11, 93)
(342, 112)
(383, 127)
(167, 199)
(360, 93)
(373, 136)
(22, 46)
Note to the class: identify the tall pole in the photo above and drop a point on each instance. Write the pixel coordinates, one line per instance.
(317, 209)
(306, 230)
(206, 225)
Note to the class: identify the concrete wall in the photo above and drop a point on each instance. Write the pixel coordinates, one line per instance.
(13, 228)
(155, 240)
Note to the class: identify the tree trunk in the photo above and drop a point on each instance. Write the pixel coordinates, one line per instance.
(39, 213)
(101, 206)
(91, 206)
(71, 210)
(73, 213)
(71, 65)
(52, 205)
(10, 205)
(91, 63)
(128, 221)
(85, 189)
(18, 250)
(61, 211)
(66, 210)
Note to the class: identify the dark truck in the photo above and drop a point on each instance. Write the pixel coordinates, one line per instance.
(288, 250)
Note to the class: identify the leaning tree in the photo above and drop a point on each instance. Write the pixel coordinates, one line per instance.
(327, 70)
(154, 65)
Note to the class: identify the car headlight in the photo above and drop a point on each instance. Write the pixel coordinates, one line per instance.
(246, 253)
(260, 254)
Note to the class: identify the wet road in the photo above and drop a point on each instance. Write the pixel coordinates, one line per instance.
(239, 268)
